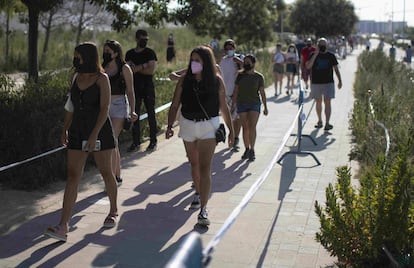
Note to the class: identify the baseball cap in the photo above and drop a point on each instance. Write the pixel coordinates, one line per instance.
(229, 42)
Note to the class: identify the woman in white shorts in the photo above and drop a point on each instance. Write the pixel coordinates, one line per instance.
(201, 94)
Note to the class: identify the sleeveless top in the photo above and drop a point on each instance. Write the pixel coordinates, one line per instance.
(86, 104)
(208, 97)
(118, 86)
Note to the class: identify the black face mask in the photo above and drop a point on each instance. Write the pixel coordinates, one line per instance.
(247, 67)
(107, 57)
(308, 45)
(142, 43)
(83, 68)
(76, 63)
(322, 48)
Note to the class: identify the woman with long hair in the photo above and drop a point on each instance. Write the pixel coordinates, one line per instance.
(201, 94)
(87, 129)
(122, 107)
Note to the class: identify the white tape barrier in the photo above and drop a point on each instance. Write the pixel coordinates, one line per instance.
(141, 117)
(253, 189)
(32, 158)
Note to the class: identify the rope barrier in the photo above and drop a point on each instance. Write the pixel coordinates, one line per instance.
(32, 158)
(387, 135)
(247, 197)
(141, 117)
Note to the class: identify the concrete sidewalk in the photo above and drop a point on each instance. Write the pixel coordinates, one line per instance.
(276, 229)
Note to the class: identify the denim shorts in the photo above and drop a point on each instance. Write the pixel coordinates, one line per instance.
(319, 90)
(191, 131)
(118, 108)
(244, 107)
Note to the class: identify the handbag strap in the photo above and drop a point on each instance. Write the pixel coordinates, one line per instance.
(201, 106)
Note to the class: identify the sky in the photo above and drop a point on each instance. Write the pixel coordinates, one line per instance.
(382, 10)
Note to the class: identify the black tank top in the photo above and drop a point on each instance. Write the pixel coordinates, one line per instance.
(118, 86)
(208, 98)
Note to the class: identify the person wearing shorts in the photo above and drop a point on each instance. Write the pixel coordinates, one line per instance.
(249, 85)
(201, 95)
(87, 122)
(278, 61)
(122, 95)
(292, 61)
(322, 63)
(229, 66)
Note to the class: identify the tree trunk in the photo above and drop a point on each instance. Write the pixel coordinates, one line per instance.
(33, 35)
(78, 36)
(6, 56)
(46, 43)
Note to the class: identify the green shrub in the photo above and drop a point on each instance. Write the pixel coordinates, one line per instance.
(356, 224)
(33, 116)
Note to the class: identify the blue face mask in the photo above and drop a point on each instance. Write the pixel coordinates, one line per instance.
(230, 53)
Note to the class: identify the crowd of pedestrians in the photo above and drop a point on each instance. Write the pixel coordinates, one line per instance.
(103, 97)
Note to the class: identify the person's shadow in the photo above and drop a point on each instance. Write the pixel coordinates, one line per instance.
(142, 233)
(29, 235)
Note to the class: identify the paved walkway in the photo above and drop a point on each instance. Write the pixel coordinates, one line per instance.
(276, 229)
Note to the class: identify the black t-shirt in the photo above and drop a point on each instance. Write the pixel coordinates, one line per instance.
(322, 69)
(142, 82)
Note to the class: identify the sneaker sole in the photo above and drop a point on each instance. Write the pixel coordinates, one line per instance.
(195, 206)
(204, 222)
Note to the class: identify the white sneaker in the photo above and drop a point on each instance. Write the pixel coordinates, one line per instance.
(203, 217)
(196, 202)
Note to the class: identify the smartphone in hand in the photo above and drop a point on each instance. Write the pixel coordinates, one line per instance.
(97, 146)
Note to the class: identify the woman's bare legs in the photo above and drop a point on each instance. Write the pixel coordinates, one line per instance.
(200, 154)
(278, 77)
(117, 125)
(103, 161)
(75, 165)
(192, 155)
(252, 119)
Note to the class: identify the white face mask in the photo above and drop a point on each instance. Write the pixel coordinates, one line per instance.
(230, 53)
(291, 49)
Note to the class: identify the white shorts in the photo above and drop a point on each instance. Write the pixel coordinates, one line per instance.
(118, 108)
(191, 131)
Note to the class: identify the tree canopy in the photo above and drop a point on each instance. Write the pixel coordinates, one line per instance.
(248, 22)
(323, 17)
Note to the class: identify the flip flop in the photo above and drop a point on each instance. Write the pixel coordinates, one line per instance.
(110, 221)
(56, 232)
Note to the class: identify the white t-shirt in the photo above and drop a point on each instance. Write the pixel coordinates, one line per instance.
(229, 72)
(279, 57)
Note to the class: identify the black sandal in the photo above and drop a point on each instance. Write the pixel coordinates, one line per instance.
(319, 124)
